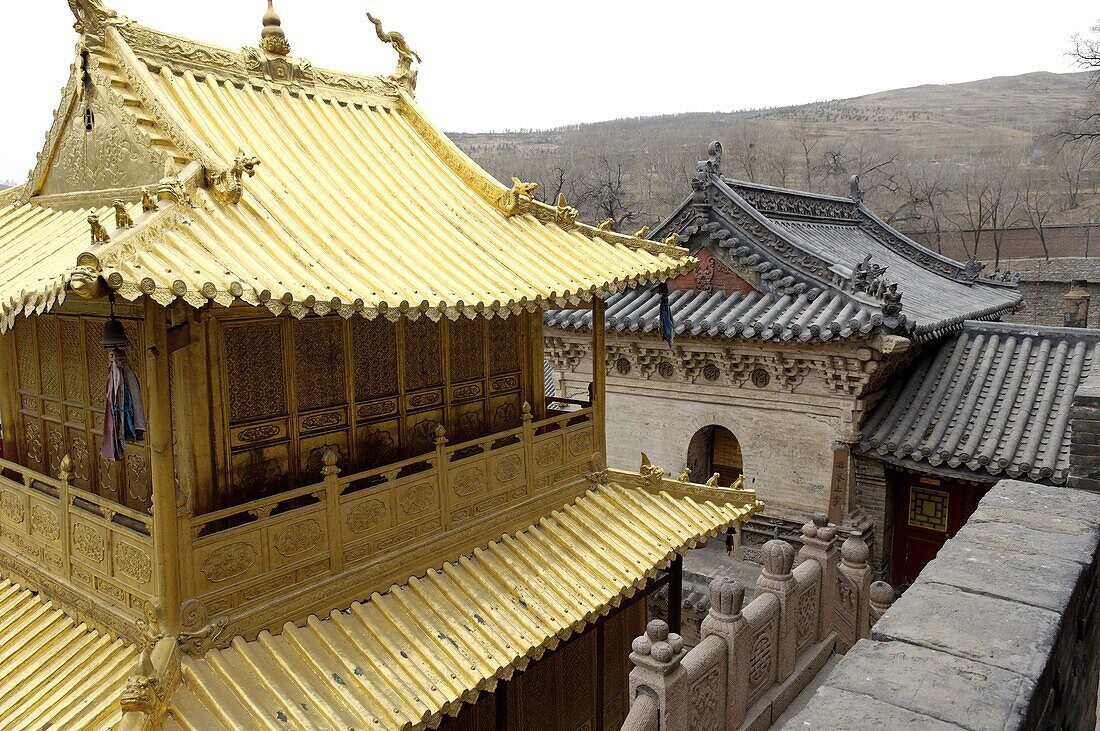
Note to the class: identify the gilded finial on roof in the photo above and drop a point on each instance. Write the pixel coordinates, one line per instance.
(520, 191)
(642, 232)
(122, 216)
(273, 39)
(148, 203)
(606, 225)
(99, 234)
(672, 239)
(566, 213)
(405, 74)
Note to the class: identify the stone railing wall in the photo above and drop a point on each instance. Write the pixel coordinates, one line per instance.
(999, 631)
(753, 660)
(1084, 451)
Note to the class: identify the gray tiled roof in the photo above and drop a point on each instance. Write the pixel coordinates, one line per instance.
(800, 252)
(739, 314)
(993, 399)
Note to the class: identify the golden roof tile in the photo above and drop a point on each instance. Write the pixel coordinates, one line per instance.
(306, 190)
(55, 673)
(407, 657)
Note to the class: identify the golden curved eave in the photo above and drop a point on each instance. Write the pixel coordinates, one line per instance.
(409, 657)
(359, 205)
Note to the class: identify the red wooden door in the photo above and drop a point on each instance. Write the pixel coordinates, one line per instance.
(928, 511)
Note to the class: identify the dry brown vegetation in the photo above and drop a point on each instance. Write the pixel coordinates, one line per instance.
(977, 156)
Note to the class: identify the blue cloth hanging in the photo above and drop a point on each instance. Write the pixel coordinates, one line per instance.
(124, 417)
(668, 328)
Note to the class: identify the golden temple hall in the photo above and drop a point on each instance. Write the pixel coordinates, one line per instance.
(277, 451)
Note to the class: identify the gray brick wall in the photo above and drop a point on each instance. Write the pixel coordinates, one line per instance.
(1084, 451)
(998, 632)
(875, 496)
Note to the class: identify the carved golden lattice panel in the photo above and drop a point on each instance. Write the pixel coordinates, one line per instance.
(505, 345)
(467, 358)
(255, 374)
(928, 509)
(374, 354)
(319, 362)
(423, 354)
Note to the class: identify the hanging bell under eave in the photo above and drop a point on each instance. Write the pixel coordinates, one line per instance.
(114, 334)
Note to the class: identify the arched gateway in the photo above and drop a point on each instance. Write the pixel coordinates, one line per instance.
(714, 449)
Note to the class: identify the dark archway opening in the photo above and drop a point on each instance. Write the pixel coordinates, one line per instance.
(714, 449)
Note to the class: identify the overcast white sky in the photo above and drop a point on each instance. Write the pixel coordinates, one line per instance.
(496, 65)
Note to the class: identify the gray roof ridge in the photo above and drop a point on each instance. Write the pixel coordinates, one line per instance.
(1018, 328)
(786, 191)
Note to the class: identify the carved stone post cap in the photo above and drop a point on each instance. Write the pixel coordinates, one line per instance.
(657, 647)
(778, 559)
(727, 596)
(854, 551)
(882, 594)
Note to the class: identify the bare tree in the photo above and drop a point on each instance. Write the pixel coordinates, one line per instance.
(1003, 201)
(926, 188)
(746, 150)
(1038, 203)
(973, 216)
(807, 138)
(1083, 123)
(606, 193)
(1073, 159)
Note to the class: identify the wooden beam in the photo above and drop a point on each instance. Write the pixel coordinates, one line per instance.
(158, 410)
(9, 396)
(599, 375)
(675, 593)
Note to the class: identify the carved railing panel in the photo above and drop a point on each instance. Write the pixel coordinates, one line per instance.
(315, 533)
(734, 678)
(74, 536)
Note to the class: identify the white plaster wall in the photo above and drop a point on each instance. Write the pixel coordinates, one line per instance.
(787, 453)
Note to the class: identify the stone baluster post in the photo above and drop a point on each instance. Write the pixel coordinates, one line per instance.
(528, 443)
(853, 564)
(724, 619)
(657, 672)
(819, 544)
(776, 579)
(331, 475)
(882, 596)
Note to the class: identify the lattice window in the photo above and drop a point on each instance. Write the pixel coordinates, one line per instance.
(928, 509)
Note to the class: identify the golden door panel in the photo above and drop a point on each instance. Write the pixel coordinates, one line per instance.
(312, 450)
(466, 339)
(374, 358)
(256, 378)
(256, 434)
(319, 353)
(505, 345)
(49, 360)
(419, 432)
(257, 473)
(505, 412)
(377, 444)
(423, 354)
(467, 422)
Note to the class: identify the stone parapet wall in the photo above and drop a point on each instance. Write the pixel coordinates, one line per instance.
(753, 660)
(998, 632)
(1084, 453)
(1043, 284)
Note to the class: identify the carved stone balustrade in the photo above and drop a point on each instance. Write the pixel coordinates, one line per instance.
(754, 659)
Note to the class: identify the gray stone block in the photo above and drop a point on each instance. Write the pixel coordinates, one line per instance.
(1004, 634)
(936, 684)
(1037, 579)
(1031, 500)
(1012, 539)
(833, 709)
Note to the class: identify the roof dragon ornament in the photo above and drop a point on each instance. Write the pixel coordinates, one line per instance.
(226, 186)
(405, 74)
(709, 168)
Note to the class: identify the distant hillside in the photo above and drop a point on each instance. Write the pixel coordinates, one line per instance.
(957, 139)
